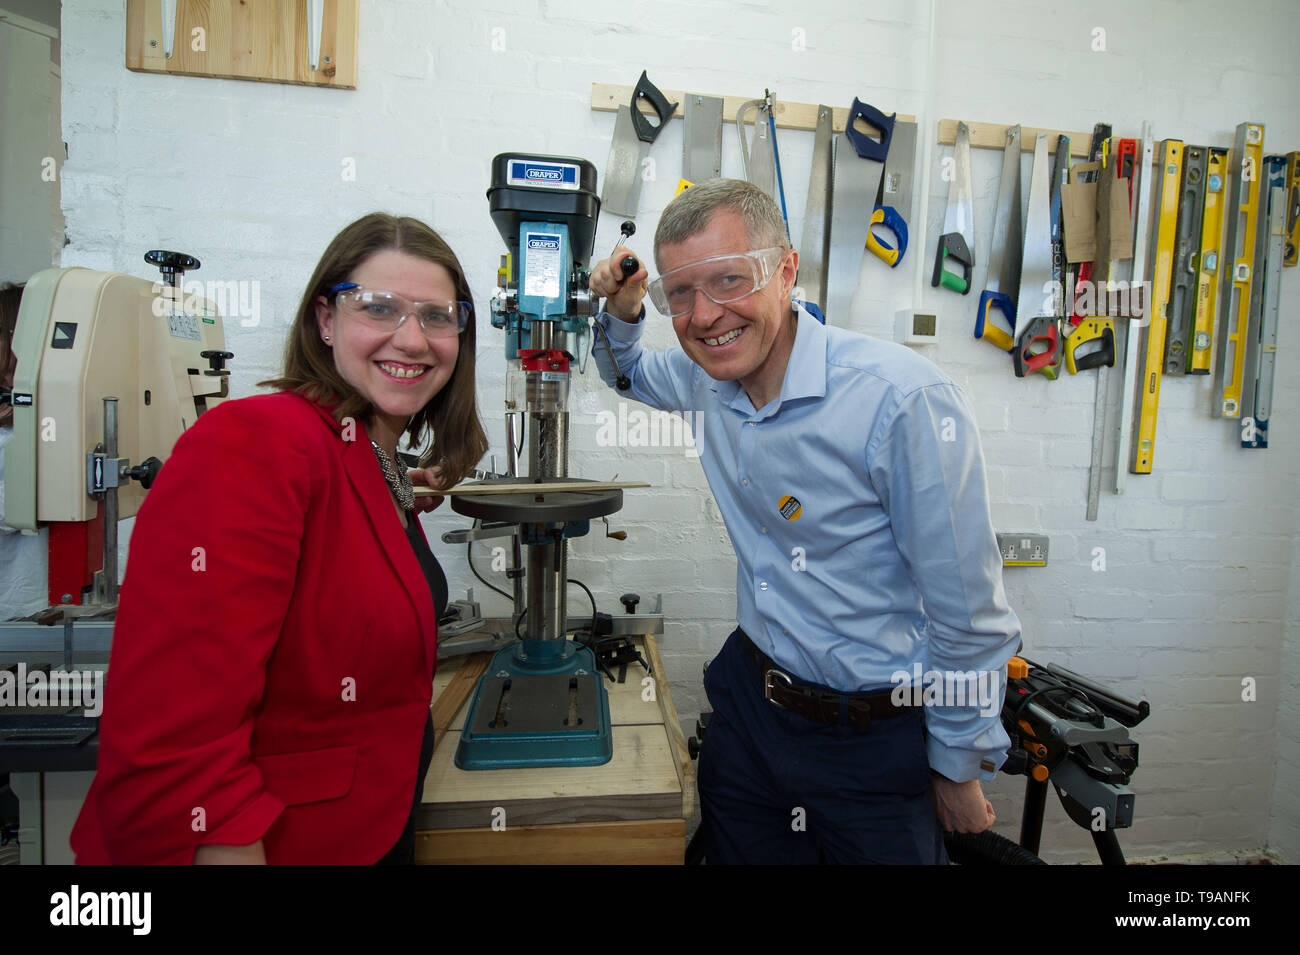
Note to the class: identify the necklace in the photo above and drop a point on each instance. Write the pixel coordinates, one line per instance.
(396, 478)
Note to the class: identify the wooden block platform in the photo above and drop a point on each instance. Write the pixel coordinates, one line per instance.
(631, 810)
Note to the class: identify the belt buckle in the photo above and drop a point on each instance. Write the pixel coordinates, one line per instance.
(768, 674)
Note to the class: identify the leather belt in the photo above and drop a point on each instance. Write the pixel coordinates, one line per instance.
(819, 704)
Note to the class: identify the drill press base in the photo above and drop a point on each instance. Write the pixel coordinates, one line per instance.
(521, 717)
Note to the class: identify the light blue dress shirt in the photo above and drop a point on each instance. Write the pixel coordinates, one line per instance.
(858, 510)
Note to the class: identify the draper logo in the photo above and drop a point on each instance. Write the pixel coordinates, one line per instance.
(542, 175)
(102, 908)
(548, 245)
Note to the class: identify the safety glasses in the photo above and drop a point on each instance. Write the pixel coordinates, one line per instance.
(385, 311)
(723, 278)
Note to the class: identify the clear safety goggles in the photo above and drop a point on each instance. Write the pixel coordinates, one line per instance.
(722, 278)
(385, 311)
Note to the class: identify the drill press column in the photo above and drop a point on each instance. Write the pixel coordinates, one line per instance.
(547, 400)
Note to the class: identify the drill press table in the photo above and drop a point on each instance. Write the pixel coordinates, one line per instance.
(632, 809)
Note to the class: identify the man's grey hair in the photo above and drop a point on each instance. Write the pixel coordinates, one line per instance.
(690, 212)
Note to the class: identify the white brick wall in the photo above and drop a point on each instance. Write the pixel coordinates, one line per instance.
(1200, 587)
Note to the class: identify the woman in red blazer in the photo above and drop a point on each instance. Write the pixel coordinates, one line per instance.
(272, 662)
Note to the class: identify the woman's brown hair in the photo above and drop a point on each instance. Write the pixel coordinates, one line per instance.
(452, 416)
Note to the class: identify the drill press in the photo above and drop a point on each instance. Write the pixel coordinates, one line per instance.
(542, 701)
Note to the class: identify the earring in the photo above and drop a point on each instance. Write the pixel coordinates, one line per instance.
(327, 339)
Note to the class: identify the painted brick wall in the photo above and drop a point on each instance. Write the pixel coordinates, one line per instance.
(1199, 588)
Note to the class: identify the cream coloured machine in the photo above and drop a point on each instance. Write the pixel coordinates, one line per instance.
(111, 370)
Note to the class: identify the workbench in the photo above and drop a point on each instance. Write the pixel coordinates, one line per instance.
(631, 810)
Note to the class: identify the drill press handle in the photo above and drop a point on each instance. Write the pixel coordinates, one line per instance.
(629, 265)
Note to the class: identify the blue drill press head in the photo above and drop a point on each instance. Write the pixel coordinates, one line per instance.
(545, 189)
(545, 208)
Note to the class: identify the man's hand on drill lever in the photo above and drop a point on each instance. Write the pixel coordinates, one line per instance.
(961, 807)
(622, 293)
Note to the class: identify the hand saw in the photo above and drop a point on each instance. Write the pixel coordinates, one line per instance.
(756, 156)
(958, 221)
(858, 164)
(1044, 332)
(1004, 253)
(701, 138)
(1062, 287)
(1092, 345)
(894, 197)
(633, 134)
(816, 242)
(1039, 342)
(1097, 334)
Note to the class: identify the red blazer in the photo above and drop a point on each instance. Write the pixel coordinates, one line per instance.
(273, 655)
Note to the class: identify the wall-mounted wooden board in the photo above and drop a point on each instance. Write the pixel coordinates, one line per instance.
(265, 40)
(994, 136)
(608, 97)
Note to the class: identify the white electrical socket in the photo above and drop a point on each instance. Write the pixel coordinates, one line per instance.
(1023, 550)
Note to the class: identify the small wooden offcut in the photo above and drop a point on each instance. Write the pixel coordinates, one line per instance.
(631, 810)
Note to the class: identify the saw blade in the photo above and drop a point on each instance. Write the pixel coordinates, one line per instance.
(816, 241)
(1007, 245)
(858, 166)
(1034, 297)
(956, 242)
(896, 186)
(622, 192)
(756, 156)
(958, 217)
(702, 138)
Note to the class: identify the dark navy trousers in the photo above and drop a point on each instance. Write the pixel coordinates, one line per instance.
(778, 788)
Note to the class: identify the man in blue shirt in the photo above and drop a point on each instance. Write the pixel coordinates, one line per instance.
(859, 697)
